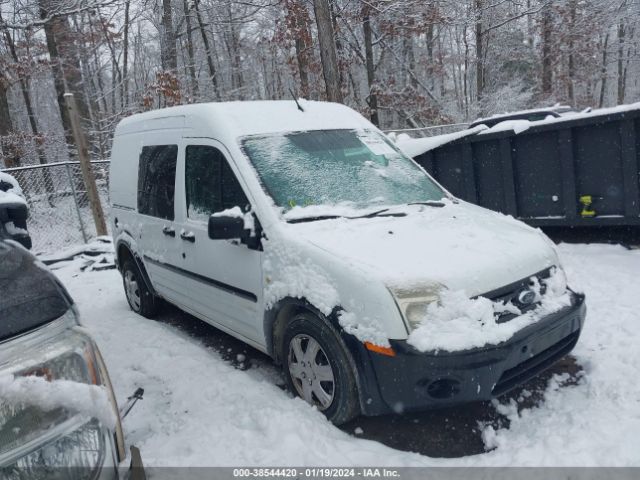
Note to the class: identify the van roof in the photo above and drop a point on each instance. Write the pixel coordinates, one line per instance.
(239, 119)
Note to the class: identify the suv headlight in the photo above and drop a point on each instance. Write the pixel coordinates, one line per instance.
(45, 430)
(413, 302)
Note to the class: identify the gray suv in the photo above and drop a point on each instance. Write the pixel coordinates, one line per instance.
(45, 355)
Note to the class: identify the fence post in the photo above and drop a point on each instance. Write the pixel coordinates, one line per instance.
(75, 202)
(85, 165)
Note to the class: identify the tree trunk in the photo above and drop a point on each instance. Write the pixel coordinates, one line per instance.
(430, 59)
(411, 59)
(65, 67)
(372, 98)
(530, 32)
(340, 55)
(26, 97)
(234, 56)
(571, 70)
(298, 20)
(621, 41)
(207, 51)
(58, 75)
(7, 152)
(603, 85)
(168, 50)
(190, 54)
(125, 57)
(328, 55)
(465, 77)
(479, 51)
(546, 51)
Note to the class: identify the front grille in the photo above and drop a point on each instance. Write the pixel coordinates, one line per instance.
(534, 365)
(509, 294)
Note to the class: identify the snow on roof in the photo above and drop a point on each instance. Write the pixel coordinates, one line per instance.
(239, 119)
(518, 126)
(13, 195)
(556, 108)
(565, 118)
(415, 147)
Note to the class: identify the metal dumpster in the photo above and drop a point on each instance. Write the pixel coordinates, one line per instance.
(582, 170)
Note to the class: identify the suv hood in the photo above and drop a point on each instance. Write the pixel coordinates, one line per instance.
(30, 295)
(460, 246)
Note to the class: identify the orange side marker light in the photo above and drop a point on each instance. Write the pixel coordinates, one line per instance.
(372, 347)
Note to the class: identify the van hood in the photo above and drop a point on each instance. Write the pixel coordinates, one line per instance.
(459, 246)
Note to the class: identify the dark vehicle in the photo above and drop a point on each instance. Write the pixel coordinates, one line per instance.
(40, 337)
(13, 211)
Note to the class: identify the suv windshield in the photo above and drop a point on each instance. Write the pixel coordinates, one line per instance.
(355, 168)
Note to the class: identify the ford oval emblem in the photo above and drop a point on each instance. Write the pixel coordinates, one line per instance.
(526, 297)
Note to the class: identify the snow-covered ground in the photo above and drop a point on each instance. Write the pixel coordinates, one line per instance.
(199, 409)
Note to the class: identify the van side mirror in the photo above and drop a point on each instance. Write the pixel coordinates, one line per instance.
(227, 228)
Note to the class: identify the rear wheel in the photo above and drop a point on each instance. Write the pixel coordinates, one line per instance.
(140, 298)
(318, 368)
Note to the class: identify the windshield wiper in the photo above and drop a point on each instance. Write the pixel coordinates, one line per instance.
(429, 203)
(313, 219)
(377, 213)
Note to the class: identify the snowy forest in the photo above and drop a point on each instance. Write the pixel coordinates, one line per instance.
(401, 63)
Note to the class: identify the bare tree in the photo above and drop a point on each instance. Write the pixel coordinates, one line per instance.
(327, 44)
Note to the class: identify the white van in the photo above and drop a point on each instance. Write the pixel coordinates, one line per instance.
(299, 228)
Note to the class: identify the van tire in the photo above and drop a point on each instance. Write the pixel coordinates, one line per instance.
(303, 329)
(139, 297)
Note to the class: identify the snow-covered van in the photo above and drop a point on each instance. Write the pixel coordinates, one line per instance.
(299, 228)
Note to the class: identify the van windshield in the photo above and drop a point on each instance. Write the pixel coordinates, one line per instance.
(353, 168)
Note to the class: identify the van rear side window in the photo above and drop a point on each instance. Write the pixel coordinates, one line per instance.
(157, 181)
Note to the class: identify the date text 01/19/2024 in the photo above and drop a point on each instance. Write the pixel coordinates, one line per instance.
(313, 473)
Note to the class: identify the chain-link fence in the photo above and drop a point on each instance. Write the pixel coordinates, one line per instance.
(59, 210)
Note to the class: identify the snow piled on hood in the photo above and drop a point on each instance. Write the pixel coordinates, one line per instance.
(457, 322)
(460, 246)
(90, 400)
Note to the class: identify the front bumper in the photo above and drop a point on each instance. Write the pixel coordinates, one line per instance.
(414, 380)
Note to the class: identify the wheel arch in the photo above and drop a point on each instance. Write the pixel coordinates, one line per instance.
(277, 317)
(275, 322)
(124, 252)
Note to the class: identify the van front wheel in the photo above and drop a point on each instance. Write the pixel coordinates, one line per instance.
(140, 299)
(318, 369)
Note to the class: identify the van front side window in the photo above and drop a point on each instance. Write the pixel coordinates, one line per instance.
(211, 185)
(156, 180)
(358, 168)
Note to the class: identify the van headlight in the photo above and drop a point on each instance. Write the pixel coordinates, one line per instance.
(413, 302)
(44, 428)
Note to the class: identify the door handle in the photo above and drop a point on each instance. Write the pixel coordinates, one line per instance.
(169, 231)
(188, 236)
